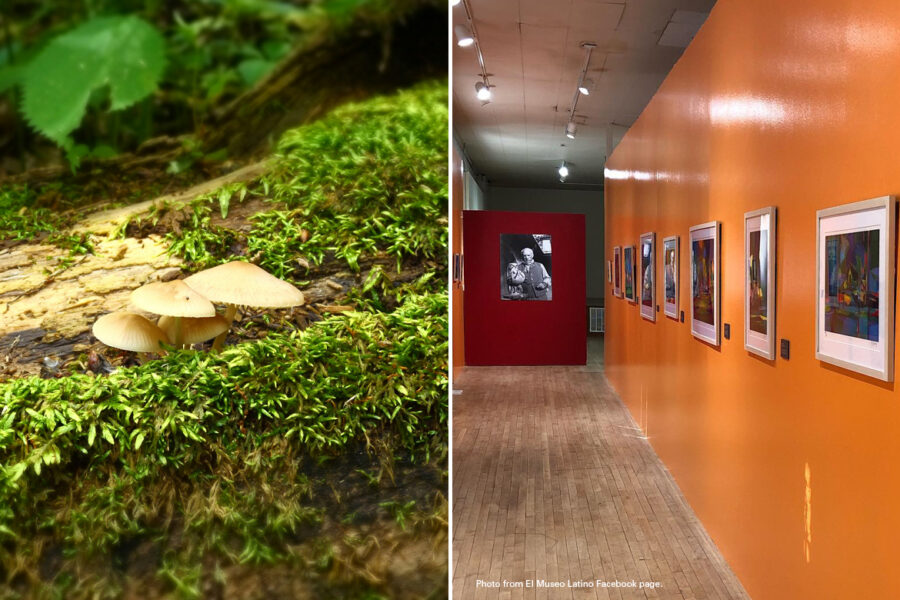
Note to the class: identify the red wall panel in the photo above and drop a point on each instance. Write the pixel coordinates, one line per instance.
(505, 332)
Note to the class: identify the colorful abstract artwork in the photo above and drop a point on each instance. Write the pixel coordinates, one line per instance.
(617, 271)
(670, 276)
(704, 280)
(757, 267)
(629, 273)
(647, 276)
(852, 284)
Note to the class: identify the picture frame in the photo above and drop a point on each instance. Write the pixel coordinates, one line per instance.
(855, 282)
(670, 276)
(628, 281)
(760, 229)
(526, 267)
(705, 282)
(647, 276)
(617, 272)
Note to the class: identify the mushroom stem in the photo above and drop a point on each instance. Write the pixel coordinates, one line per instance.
(178, 335)
(230, 312)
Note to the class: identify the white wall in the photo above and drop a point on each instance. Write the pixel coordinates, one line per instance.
(588, 203)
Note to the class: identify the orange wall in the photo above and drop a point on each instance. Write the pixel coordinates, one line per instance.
(456, 298)
(794, 104)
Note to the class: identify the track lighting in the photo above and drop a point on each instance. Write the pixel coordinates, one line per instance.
(582, 88)
(464, 37)
(483, 91)
(563, 171)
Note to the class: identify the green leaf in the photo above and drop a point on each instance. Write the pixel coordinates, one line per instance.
(126, 54)
(253, 69)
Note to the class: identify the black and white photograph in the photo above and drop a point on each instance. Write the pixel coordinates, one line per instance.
(525, 266)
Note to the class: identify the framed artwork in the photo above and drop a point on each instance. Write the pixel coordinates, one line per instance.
(670, 276)
(617, 271)
(705, 282)
(759, 282)
(855, 248)
(525, 266)
(630, 292)
(647, 278)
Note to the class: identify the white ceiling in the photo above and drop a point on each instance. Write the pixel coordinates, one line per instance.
(533, 56)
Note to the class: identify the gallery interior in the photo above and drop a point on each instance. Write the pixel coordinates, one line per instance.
(673, 300)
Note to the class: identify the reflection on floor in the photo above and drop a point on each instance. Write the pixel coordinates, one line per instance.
(554, 488)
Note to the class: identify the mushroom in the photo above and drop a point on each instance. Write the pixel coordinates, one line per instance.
(173, 299)
(243, 284)
(194, 330)
(128, 331)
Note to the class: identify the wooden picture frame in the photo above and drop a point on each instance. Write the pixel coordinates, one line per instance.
(705, 281)
(628, 280)
(670, 276)
(646, 279)
(855, 281)
(617, 272)
(760, 229)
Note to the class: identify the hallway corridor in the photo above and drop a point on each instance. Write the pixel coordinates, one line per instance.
(552, 481)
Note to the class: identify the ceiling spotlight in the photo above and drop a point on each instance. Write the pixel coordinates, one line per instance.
(563, 171)
(585, 87)
(464, 37)
(570, 130)
(482, 91)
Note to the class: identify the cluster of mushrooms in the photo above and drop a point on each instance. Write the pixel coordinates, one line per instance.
(187, 313)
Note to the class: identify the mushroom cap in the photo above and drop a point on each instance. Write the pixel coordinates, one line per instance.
(194, 330)
(173, 299)
(244, 284)
(128, 331)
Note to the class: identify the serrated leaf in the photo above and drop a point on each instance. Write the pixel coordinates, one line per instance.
(126, 54)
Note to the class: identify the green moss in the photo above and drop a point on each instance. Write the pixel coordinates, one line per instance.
(210, 444)
(368, 179)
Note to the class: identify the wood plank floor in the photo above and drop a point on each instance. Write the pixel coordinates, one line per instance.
(552, 482)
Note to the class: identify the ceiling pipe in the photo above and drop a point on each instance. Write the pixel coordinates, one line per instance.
(588, 47)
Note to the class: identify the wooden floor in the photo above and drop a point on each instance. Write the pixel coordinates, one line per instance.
(552, 482)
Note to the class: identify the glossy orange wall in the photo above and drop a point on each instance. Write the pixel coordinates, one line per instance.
(456, 292)
(794, 104)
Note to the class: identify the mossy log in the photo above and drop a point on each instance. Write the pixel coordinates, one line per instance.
(367, 57)
(49, 299)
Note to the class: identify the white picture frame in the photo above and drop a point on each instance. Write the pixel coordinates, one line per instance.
(849, 238)
(646, 279)
(760, 229)
(670, 280)
(705, 299)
